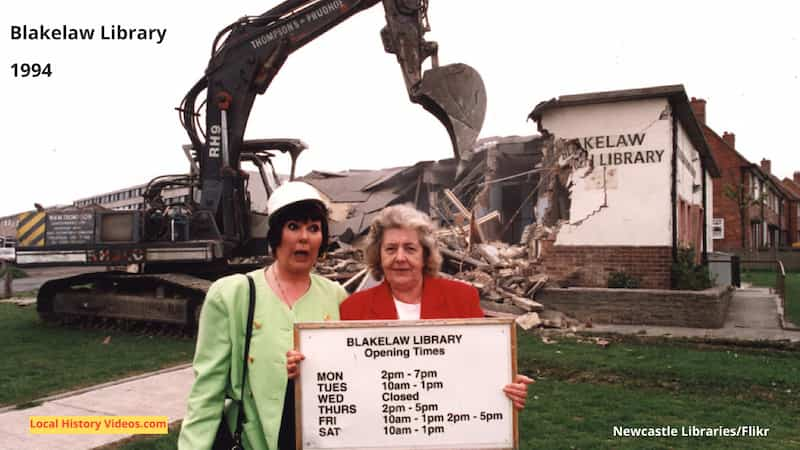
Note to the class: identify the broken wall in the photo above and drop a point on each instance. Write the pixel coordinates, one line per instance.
(620, 212)
(622, 195)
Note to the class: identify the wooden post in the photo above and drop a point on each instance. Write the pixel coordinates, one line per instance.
(6, 268)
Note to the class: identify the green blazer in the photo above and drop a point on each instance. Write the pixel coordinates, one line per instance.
(218, 357)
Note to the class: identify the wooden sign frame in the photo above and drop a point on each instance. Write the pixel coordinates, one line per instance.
(331, 341)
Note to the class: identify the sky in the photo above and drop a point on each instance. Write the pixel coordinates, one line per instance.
(105, 118)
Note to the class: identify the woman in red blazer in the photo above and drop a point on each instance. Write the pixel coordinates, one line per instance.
(402, 250)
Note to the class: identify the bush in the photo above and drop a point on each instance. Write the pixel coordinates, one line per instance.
(686, 275)
(617, 280)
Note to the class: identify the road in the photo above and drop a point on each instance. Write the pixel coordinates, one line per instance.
(37, 276)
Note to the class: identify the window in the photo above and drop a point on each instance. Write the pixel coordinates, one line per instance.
(718, 228)
(755, 187)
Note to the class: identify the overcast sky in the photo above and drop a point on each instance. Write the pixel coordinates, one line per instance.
(105, 119)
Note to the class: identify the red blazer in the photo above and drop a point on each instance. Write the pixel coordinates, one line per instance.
(441, 299)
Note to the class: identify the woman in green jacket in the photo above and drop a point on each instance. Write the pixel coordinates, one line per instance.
(286, 292)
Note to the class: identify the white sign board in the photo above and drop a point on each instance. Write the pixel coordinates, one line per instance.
(433, 384)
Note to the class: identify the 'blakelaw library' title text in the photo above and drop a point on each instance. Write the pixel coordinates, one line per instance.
(114, 32)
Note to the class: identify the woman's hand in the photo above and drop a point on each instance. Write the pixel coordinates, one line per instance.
(517, 391)
(293, 358)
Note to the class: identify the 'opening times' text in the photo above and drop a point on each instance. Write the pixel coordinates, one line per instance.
(404, 410)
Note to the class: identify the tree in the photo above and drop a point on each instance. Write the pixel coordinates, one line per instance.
(741, 195)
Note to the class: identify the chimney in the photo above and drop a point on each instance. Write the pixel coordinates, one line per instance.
(699, 109)
(797, 178)
(730, 139)
(766, 165)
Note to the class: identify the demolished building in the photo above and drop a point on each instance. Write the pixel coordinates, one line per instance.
(617, 182)
(643, 191)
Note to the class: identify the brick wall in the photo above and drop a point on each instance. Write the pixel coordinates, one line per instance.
(729, 163)
(590, 266)
(697, 309)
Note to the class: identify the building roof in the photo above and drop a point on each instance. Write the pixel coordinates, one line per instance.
(792, 187)
(675, 94)
(347, 186)
(725, 144)
(775, 181)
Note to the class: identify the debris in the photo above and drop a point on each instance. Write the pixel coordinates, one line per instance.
(460, 257)
(556, 319)
(355, 278)
(540, 282)
(528, 321)
(107, 340)
(489, 253)
(342, 264)
(602, 342)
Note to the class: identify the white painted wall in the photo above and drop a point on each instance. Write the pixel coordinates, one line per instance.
(637, 195)
(689, 171)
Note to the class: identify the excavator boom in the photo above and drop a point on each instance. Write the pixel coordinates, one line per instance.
(248, 54)
(176, 248)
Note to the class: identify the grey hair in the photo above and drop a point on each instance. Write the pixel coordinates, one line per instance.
(403, 216)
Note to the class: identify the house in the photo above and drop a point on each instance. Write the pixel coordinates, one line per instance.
(793, 209)
(749, 202)
(639, 175)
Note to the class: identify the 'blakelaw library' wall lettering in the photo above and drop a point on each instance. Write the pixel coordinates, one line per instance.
(620, 149)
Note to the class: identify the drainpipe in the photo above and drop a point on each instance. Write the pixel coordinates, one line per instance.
(705, 213)
(674, 189)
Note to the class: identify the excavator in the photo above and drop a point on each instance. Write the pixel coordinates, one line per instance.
(175, 250)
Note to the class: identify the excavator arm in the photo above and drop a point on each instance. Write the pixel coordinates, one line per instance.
(248, 54)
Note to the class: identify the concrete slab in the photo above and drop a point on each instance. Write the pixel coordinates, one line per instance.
(751, 309)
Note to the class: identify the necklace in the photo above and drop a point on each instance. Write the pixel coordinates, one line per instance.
(282, 293)
(284, 297)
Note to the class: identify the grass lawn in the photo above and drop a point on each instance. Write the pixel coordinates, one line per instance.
(583, 391)
(41, 359)
(767, 278)
(145, 442)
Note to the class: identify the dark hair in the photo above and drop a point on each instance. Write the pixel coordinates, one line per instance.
(302, 211)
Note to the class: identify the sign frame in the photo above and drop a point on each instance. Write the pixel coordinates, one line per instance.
(301, 328)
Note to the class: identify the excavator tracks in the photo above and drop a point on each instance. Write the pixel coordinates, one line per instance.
(161, 304)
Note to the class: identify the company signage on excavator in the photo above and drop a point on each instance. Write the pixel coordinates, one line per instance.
(294, 25)
(214, 141)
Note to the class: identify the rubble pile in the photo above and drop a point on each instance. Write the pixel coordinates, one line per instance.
(506, 280)
(342, 264)
(503, 274)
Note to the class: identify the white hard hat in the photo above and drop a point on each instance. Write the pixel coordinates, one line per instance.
(292, 192)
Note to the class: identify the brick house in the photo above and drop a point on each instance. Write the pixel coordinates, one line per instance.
(644, 192)
(774, 208)
(749, 202)
(793, 209)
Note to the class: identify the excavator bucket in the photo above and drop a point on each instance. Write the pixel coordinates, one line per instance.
(455, 94)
